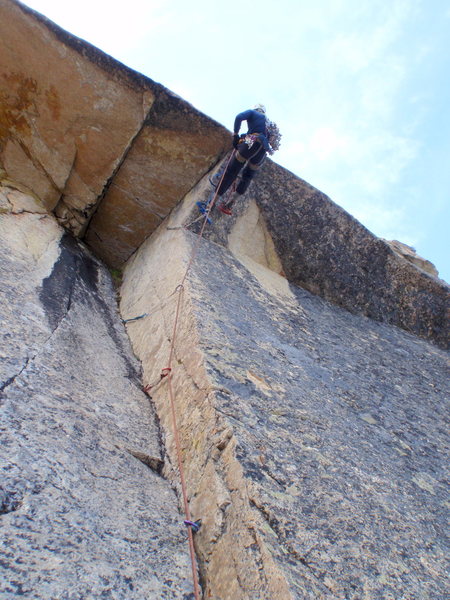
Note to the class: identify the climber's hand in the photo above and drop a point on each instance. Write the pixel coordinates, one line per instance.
(236, 139)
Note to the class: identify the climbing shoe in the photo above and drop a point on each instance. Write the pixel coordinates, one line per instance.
(226, 210)
(203, 208)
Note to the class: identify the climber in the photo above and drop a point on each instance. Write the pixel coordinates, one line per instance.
(251, 148)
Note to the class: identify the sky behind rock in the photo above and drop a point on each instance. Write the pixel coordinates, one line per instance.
(359, 88)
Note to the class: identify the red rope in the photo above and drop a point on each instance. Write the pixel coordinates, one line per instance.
(187, 512)
(205, 221)
(167, 372)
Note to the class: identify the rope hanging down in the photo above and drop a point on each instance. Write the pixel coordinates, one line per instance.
(167, 372)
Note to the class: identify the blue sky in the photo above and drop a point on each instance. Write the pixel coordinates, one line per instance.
(359, 88)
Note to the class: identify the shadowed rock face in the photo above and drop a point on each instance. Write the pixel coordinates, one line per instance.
(174, 148)
(80, 515)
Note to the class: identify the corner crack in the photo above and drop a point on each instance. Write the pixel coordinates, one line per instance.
(13, 378)
(152, 462)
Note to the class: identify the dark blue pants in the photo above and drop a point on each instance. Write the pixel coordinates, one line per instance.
(254, 157)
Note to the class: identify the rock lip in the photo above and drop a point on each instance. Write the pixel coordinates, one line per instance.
(89, 135)
(114, 161)
(409, 253)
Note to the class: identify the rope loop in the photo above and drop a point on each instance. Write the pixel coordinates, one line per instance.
(180, 287)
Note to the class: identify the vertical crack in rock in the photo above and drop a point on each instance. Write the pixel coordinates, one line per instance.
(37, 164)
(232, 557)
(90, 210)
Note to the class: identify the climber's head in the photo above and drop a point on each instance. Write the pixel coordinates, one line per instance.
(260, 108)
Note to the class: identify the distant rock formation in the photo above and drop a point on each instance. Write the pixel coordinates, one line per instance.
(309, 360)
(410, 254)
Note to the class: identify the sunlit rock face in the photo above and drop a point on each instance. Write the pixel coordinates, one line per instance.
(308, 362)
(89, 135)
(80, 509)
(409, 254)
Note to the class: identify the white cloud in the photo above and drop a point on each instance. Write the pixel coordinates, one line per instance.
(325, 142)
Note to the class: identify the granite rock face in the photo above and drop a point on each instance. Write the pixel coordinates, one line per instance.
(325, 250)
(313, 430)
(314, 440)
(81, 510)
(86, 134)
(410, 254)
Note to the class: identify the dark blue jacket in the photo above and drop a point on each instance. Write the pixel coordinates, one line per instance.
(256, 122)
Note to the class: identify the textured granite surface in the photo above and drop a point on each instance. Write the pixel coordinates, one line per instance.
(342, 427)
(81, 513)
(325, 250)
(315, 441)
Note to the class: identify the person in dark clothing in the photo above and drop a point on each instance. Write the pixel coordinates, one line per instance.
(250, 150)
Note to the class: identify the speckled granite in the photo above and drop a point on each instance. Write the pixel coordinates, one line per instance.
(315, 441)
(325, 250)
(342, 428)
(82, 516)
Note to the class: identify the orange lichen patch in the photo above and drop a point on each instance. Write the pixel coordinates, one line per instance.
(53, 102)
(16, 103)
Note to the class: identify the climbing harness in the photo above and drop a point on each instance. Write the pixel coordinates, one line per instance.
(166, 373)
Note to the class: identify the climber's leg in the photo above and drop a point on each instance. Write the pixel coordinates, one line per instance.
(236, 164)
(250, 171)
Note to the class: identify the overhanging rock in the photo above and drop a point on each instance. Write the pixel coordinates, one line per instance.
(111, 153)
(80, 129)
(176, 146)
